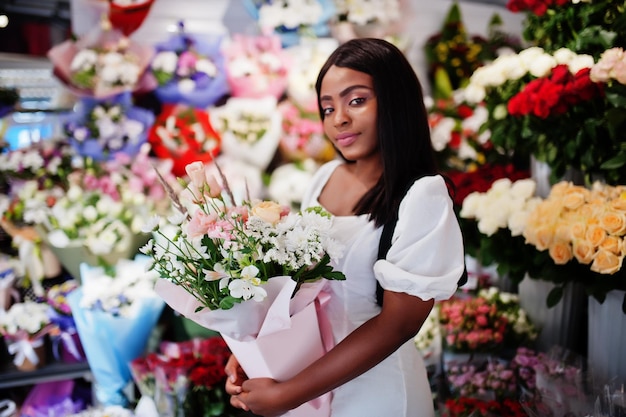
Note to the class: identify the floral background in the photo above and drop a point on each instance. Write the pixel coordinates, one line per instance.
(528, 128)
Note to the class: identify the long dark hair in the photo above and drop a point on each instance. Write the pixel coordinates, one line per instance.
(402, 122)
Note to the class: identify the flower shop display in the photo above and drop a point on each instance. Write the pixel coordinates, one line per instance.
(184, 134)
(98, 218)
(115, 315)
(370, 18)
(584, 226)
(291, 19)
(256, 66)
(102, 63)
(190, 69)
(250, 270)
(99, 129)
(24, 327)
(250, 129)
(302, 135)
(66, 345)
(186, 378)
(490, 322)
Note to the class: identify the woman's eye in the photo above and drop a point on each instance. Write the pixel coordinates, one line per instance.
(357, 101)
(327, 110)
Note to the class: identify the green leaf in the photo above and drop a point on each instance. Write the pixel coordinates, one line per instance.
(554, 296)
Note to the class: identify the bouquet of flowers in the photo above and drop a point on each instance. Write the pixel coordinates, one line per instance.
(251, 271)
(98, 219)
(189, 69)
(102, 128)
(48, 161)
(102, 64)
(490, 322)
(585, 225)
(291, 19)
(493, 382)
(184, 134)
(303, 135)
(66, 345)
(24, 326)
(186, 378)
(250, 129)
(115, 313)
(256, 66)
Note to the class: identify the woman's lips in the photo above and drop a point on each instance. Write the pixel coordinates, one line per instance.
(346, 139)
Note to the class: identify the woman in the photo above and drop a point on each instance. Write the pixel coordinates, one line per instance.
(371, 104)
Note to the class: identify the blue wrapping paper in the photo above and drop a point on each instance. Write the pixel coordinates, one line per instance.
(208, 90)
(91, 146)
(112, 342)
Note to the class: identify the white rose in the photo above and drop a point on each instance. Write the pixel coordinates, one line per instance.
(475, 93)
(541, 65)
(524, 188)
(580, 62)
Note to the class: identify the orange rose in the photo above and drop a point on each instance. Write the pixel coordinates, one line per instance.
(269, 211)
(543, 236)
(577, 230)
(619, 203)
(595, 235)
(574, 198)
(583, 251)
(606, 262)
(561, 252)
(612, 244)
(613, 222)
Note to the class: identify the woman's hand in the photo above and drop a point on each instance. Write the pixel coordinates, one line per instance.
(236, 377)
(265, 397)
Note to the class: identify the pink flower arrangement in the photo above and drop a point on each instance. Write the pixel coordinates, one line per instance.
(494, 381)
(256, 66)
(303, 135)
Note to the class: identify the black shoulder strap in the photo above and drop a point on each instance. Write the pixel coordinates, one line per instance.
(383, 248)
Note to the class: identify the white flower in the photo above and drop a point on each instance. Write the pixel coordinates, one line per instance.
(165, 61)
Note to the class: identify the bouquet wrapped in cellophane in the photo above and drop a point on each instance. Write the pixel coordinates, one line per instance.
(253, 271)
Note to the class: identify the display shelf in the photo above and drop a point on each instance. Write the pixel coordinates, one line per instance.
(55, 371)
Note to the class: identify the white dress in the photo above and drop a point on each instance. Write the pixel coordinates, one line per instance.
(425, 259)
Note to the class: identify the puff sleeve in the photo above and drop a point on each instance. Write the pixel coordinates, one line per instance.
(426, 257)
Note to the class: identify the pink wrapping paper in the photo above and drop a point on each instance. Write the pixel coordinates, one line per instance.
(275, 338)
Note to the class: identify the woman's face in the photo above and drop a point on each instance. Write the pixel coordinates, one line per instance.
(349, 105)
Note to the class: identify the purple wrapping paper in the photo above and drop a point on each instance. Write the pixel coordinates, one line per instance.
(51, 399)
(91, 146)
(208, 90)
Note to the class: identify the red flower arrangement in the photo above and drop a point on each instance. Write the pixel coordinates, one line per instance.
(186, 376)
(556, 94)
(184, 134)
(538, 7)
(465, 407)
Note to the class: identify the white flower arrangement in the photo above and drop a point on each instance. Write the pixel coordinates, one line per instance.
(533, 61)
(222, 252)
(108, 411)
(291, 14)
(105, 69)
(116, 294)
(506, 204)
(509, 307)
(28, 317)
(362, 12)
(250, 129)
